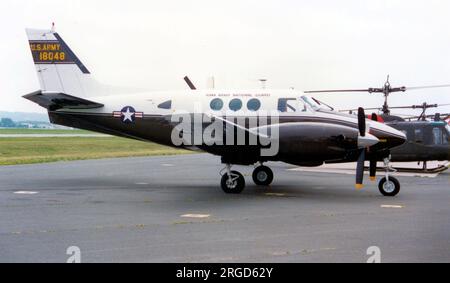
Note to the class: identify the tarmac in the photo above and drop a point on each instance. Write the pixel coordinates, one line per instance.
(172, 209)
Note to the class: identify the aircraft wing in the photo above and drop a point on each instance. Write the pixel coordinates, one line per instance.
(58, 100)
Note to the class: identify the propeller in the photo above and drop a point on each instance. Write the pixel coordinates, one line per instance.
(360, 169)
(373, 160)
(361, 122)
(362, 151)
(365, 141)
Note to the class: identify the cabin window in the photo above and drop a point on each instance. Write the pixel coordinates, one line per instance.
(418, 135)
(166, 104)
(287, 104)
(235, 104)
(253, 104)
(216, 104)
(437, 135)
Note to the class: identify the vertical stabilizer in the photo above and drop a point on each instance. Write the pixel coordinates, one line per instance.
(57, 66)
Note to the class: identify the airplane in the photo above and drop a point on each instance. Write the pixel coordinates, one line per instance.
(275, 125)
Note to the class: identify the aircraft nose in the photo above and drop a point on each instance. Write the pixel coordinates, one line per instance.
(394, 140)
(393, 137)
(388, 136)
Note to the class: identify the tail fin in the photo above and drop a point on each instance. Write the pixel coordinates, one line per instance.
(58, 68)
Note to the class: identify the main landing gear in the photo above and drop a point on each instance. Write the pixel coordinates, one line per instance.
(233, 182)
(262, 175)
(388, 185)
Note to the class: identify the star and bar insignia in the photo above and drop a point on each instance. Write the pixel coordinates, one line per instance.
(128, 114)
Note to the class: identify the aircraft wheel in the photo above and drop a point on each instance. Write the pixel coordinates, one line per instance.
(235, 185)
(389, 188)
(262, 176)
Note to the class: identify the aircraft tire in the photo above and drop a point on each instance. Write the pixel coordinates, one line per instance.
(262, 176)
(235, 186)
(389, 189)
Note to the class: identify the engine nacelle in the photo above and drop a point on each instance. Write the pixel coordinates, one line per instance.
(303, 142)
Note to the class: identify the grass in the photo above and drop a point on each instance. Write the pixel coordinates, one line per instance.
(26, 150)
(20, 131)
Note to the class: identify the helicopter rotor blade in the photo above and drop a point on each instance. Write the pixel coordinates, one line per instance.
(356, 109)
(415, 106)
(379, 90)
(420, 106)
(369, 90)
(401, 107)
(427, 87)
(336, 90)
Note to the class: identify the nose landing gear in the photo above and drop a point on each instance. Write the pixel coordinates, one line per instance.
(388, 185)
(232, 182)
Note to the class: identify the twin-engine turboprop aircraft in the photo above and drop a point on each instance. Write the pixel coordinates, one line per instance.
(244, 127)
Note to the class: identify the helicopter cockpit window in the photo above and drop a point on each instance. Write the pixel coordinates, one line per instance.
(446, 135)
(311, 102)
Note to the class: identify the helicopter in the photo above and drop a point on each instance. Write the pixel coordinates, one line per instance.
(428, 136)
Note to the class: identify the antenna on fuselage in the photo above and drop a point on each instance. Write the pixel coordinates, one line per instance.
(211, 83)
(263, 83)
(189, 83)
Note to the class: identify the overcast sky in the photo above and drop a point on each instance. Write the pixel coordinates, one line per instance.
(302, 44)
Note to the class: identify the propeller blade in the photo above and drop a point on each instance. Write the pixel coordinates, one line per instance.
(373, 169)
(360, 169)
(361, 122)
(373, 162)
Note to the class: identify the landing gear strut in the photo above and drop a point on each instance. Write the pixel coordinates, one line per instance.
(232, 182)
(388, 185)
(262, 175)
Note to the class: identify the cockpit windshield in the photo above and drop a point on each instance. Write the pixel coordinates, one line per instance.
(314, 103)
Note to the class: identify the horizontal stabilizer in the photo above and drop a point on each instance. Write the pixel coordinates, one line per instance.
(57, 100)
